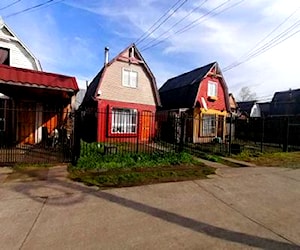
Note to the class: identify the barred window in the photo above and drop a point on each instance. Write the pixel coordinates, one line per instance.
(124, 121)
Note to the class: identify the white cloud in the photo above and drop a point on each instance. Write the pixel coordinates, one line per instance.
(224, 38)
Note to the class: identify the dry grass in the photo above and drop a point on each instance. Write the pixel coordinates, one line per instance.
(279, 159)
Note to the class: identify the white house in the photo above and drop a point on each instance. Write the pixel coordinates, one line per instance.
(13, 51)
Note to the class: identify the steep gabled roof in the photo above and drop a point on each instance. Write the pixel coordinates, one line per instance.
(245, 107)
(14, 37)
(287, 96)
(286, 103)
(92, 90)
(38, 79)
(181, 91)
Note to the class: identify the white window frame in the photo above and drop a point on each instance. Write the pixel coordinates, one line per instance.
(123, 121)
(209, 125)
(130, 79)
(212, 88)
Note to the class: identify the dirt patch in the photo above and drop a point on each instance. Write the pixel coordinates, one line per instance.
(28, 174)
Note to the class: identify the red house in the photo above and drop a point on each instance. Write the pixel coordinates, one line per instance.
(33, 102)
(121, 100)
(201, 95)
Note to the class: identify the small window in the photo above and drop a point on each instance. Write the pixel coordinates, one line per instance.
(208, 125)
(129, 78)
(124, 121)
(4, 56)
(212, 88)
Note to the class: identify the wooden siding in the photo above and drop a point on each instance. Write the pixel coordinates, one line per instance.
(112, 88)
(215, 107)
(18, 56)
(218, 104)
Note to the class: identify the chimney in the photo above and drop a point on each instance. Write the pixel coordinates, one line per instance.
(106, 52)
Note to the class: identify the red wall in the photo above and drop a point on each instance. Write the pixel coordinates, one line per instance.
(220, 103)
(104, 121)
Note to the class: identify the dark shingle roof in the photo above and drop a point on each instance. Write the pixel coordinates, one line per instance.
(181, 91)
(286, 103)
(245, 107)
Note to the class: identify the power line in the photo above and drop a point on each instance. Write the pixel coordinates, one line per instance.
(165, 20)
(196, 22)
(280, 38)
(38, 6)
(252, 51)
(153, 25)
(175, 24)
(9, 5)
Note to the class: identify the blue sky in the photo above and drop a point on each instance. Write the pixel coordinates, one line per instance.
(69, 37)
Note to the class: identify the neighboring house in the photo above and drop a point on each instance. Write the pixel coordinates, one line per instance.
(32, 103)
(35, 103)
(247, 109)
(286, 103)
(201, 94)
(230, 125)
(13, 51)
(233, 105)
(121, 100)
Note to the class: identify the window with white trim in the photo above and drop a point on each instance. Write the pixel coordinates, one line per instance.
(208, 125)
(212, 88)
(124, 121)
(129, 78)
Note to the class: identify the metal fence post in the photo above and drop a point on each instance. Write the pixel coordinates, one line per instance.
(76, 138)
(262, 134)
(182, 132)
(230, 135)
(286, 141)
(138, 118)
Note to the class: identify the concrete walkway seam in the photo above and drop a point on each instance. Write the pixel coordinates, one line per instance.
(244, 215)
(34, 222)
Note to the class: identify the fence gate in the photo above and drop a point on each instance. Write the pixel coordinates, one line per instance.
(32, 136)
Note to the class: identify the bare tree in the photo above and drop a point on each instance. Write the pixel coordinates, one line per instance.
(245, 94)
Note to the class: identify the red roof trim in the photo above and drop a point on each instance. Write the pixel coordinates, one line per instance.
(19, 76)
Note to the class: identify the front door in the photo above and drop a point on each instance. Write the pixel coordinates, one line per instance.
(146, 125)
(26, 123)
(220, 126)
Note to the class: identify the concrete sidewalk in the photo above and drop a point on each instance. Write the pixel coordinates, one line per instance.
(252, 208)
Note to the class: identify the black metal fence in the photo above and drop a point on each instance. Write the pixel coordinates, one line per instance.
(144, 132)
(281, 133)
(34, 136)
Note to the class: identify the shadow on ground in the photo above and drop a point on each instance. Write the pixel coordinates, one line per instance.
(62, 194)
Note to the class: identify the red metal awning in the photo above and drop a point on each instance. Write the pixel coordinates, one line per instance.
(38, 79)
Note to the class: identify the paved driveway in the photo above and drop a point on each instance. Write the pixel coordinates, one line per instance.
(239, 208)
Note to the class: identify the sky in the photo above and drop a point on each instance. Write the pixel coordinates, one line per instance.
(255, 42)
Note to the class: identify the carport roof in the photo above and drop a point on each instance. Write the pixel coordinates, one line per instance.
(39, 79)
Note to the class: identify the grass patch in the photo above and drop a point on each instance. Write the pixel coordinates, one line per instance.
(130, 160)
(140, 176)
(32, 166)
(137, 169)
(29, 172)
(279, 159)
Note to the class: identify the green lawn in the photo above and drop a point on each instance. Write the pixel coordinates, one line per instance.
(137, 169)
